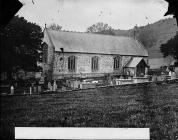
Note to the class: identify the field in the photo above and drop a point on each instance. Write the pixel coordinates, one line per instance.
(153, 105)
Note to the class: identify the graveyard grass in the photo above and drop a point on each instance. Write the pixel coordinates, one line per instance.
(143, 105)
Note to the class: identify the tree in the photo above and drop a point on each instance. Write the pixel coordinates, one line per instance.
(146, 36)
(171, 48)
(55, 27)
(20, 45)
(101, 28)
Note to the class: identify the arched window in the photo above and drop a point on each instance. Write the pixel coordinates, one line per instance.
(94, 63)
(71, 63)
(45, 52)
(116, 62)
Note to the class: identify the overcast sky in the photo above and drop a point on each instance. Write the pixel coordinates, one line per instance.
(77, 15)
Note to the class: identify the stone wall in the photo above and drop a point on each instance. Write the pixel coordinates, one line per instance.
(83, 64)
(48, 66)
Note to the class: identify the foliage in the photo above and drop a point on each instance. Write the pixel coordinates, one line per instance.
(20, 45)
(146, 36)
(171, 48)
(101, 28)
(55, 27)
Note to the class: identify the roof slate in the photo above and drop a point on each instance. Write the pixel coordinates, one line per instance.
(134, 62)
(94, 43)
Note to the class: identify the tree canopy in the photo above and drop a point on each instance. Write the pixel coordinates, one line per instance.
(20, 45)
(171, 48)
(54, 26)
(101, 28)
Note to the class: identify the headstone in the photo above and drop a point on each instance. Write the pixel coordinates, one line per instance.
(173, 75)
(176, 71)
(170, 73)
(39, 89)
(75, 84)
(34, 89)
(12, 89)
(54, 86)
(80, 85)
(49, 85)
(51, 88)
(154, 78)
(30, 90)
(111, 82)
(41, 80)
(38, 75)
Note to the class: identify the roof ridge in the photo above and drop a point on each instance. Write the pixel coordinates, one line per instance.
(95, 43)
(98, 34)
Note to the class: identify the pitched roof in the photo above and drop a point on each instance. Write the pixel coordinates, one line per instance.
(94, 43)
(135, 61)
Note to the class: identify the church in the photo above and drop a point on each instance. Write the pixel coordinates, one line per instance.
(85, 55)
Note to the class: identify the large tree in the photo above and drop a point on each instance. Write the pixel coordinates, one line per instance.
(101, 28)
(171, 48)
(20, 45)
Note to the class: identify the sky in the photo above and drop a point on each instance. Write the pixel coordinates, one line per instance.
(78, 15)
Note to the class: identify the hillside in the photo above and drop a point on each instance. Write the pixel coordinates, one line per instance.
(163, 31)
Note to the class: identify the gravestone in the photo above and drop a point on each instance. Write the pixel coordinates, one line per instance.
(30, 90)
(49, 86)
(34, 89)
(39, 89)
(54, 86)
(12, 90)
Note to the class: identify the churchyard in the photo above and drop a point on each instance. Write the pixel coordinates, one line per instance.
(152, 105)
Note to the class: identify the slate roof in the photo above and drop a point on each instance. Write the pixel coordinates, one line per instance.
(94, 43)
(135, 61)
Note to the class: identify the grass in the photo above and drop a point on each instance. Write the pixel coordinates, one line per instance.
(150, 105)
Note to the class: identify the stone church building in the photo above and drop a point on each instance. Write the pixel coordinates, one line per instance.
(85, 55)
